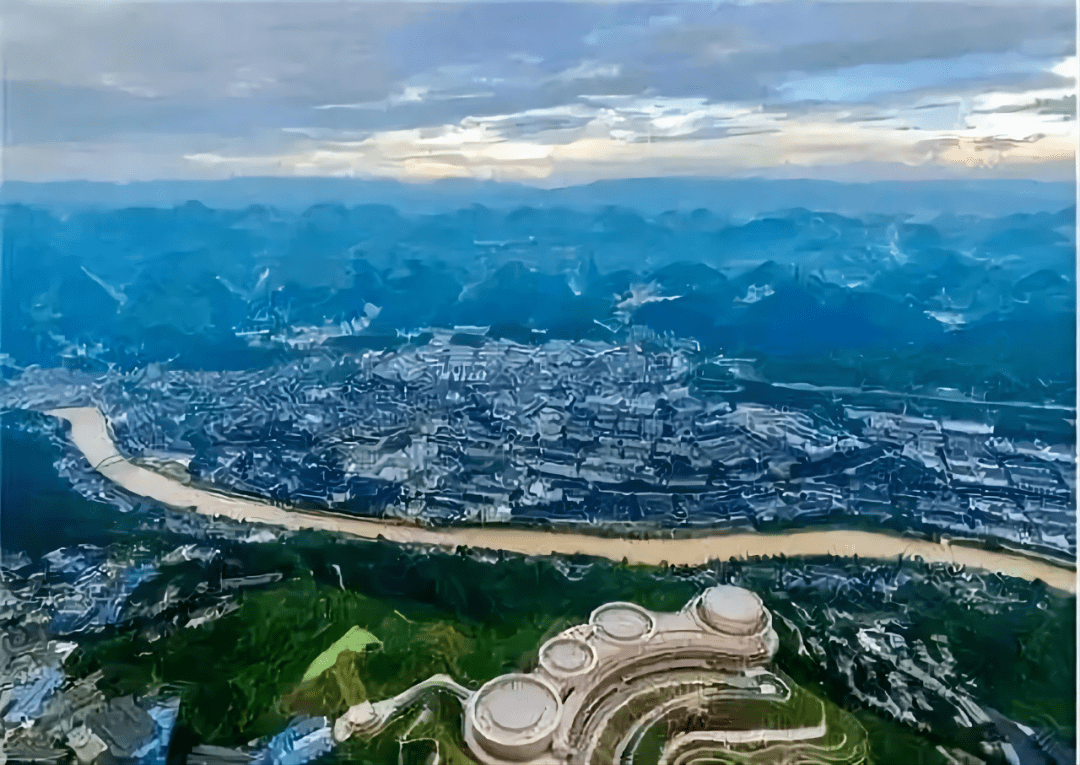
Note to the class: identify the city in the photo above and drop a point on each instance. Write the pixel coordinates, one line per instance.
(645, 435)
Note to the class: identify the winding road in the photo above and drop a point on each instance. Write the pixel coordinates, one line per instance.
(90, 433)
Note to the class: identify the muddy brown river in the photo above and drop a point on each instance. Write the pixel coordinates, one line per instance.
(90, 433)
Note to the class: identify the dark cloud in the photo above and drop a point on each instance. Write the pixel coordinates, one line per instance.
(1065, 107)
(237, 70)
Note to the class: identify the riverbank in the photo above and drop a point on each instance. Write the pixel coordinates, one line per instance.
(90, 434)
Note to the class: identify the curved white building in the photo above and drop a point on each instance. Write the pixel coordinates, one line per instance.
(591, 677)
(684, 683)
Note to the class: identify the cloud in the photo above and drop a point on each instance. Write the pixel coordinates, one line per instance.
(588, 70)
(127, 85)
(538, 92)
(684, 137)
(869, 81)
(413, 94)
(455, 83)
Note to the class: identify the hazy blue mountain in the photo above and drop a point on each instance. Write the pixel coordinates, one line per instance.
(949, 300)
(732, 197)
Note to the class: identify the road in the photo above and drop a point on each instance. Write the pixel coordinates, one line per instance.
(90, 433)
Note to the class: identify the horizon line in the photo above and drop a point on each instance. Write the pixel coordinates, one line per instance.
(422, 183)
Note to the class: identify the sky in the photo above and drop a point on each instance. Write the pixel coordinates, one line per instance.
(549, 93)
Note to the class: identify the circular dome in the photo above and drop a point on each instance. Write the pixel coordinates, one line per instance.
(516, 709)
(624, 622)
(567, 656)
(732, 610)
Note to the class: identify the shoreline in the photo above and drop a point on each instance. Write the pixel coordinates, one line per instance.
(90, 434)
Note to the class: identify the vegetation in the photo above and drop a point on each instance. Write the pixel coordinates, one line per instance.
(477, 616)
(355, 640)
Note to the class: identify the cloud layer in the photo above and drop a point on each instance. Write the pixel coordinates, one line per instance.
(548, 93)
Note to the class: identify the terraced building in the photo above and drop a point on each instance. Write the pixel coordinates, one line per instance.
(641, 687)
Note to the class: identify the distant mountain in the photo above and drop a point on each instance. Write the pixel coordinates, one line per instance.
(736, 198)
(950, 300)
(684, 277)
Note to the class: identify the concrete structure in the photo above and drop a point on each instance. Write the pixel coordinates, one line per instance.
(367, 719)
(601, 688)
(593, 679)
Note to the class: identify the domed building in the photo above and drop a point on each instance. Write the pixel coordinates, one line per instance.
(648, 688)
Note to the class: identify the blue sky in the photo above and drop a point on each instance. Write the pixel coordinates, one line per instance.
(546, 93)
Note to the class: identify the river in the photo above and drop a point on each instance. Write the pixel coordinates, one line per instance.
(90, 433)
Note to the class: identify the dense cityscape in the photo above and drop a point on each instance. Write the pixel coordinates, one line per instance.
(646, 435)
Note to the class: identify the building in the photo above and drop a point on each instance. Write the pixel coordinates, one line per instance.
(699, 677)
